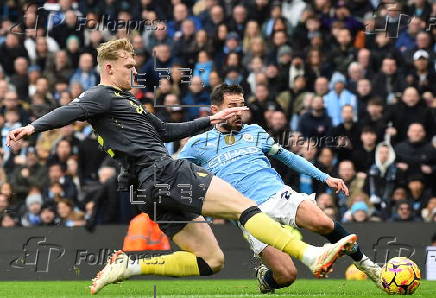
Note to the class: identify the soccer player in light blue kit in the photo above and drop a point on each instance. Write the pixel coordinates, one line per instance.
(238, 153)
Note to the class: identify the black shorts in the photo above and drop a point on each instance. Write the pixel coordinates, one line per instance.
(173, 192)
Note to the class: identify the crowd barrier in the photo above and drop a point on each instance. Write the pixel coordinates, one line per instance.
(61, 253)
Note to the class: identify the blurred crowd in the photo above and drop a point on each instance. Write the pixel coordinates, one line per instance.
(349, 85)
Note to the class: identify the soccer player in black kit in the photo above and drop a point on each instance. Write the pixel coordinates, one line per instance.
(135, 138)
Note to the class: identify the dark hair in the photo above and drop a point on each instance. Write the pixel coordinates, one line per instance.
(375, 101)
(368, 129)
(217, 96)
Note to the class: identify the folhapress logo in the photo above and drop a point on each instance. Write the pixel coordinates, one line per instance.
(37, 255)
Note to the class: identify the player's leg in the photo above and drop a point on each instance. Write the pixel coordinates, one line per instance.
(279, 272)
(311, 217)
(222, 200)
(200, 255)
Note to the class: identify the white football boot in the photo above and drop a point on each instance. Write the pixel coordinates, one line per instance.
(114, 271)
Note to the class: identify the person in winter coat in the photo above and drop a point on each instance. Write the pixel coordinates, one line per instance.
(411, 109)
(338, 97)
(382, 176)
(316, 122)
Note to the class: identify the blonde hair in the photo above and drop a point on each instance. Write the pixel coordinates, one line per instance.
(110, 50)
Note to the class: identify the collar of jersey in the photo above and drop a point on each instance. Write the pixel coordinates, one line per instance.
(119, 89)
(234, 132)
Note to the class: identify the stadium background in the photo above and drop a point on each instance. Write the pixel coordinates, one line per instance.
(361, 72)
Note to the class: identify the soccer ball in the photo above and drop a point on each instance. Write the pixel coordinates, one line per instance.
(400, 275)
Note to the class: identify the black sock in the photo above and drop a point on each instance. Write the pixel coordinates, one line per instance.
(203, 267)
(338, 233)
(248, 213)
(269, 279)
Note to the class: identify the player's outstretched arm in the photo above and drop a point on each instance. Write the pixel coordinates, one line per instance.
(175, 131)
(54, 119)
(303, 166)
(90, 103)
(298, 163)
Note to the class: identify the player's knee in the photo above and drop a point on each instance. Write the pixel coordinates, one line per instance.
(285, 275)
(325, 225)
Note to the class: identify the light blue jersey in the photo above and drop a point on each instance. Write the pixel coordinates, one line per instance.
(241, 160)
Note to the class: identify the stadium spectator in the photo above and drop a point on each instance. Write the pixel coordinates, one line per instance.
(344, 53)
(324, 200)
(85, 74)
(415, 155)
(9, 220)
(347, 134)
(32, 215)
(366, 62)
(428, 213)
(406, 39)
(48, 215)
(30, 174)
(373, 117)
(326, 161)
(11, 122)
(184, 48)
(364, 156)
(423, 74)
(59, 185)
(4, 203)
(181, 14)
(381, 178)
(61, 32)
(411, 109)
(20, 78)
(315, 123)
(162, 61)
(389, 81)
(203, 68)
(359, 212)
(403, 212)
(68, 216)
(196, 96)
(338, 97)
(364, 94)
(10, 50)
(59, 68)
(354, 182)
(211, 18)
(419, 195)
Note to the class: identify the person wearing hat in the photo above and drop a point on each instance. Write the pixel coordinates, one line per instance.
(359, 212)
(232, 43)
(339, 97)
(422, 76)
(33, 204)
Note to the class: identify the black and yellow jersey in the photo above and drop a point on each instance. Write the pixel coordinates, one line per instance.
(124, 129)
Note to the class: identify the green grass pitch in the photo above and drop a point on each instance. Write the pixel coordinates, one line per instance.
(201, 288)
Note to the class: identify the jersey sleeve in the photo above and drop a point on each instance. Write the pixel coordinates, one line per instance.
(171, 132)
(87, 105)
(271, 148)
